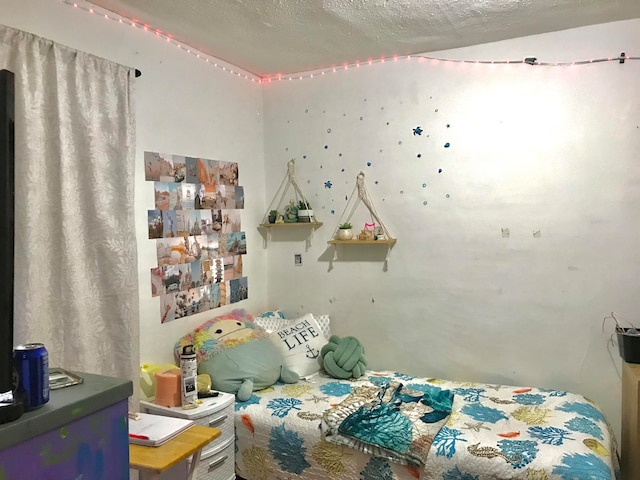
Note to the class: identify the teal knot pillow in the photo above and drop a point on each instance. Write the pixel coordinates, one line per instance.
(343, 357)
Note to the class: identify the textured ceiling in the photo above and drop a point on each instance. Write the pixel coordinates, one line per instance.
(267, 37)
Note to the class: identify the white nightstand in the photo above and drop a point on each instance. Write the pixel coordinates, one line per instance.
(217, 461)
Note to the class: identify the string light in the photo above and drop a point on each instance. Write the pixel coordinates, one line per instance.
(165, 36)
(531, 61)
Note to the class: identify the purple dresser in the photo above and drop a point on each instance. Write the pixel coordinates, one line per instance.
(81, 434)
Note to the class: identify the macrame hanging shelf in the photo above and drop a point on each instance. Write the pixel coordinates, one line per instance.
(280, 201)
(381, 236)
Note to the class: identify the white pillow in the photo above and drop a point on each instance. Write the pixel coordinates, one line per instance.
(300, 342)
(269, 320)
(325, 325)
(275, 320)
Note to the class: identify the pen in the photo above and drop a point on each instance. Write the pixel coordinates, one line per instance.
(139, 437)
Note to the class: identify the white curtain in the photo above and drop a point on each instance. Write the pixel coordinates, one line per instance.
(76, 278)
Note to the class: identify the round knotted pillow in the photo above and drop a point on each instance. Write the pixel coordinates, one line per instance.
(343, 357)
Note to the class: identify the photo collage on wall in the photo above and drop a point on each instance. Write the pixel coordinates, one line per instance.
(197, 229)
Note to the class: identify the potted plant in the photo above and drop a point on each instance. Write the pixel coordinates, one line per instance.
(305, 213)
(344, 231)
(273, 214)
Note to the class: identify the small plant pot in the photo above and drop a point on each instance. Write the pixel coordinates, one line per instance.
(272, 218)
(305, 216)
(344, 234)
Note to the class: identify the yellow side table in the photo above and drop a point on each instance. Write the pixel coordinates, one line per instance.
(152, 461)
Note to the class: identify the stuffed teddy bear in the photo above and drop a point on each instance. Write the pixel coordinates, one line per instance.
(237, 354)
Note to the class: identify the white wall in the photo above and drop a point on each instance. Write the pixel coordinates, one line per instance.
(184, 106)
(545, 149)
(552, 150)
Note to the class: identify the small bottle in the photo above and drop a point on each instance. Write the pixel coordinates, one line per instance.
(189, 370)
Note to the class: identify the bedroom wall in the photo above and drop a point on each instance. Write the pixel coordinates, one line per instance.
(548, 153)
(184, 106)
(515, 209)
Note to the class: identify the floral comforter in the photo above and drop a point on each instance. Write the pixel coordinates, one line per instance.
(493, 431)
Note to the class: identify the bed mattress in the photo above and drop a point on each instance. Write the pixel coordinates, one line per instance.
(493, 431)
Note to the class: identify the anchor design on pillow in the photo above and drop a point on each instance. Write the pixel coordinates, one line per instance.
(312, 352)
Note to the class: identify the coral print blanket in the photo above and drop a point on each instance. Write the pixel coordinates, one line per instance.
(304, 430)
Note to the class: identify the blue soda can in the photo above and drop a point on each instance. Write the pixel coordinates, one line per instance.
(31, 362)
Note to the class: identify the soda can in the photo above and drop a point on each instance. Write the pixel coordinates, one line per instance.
(31, 362)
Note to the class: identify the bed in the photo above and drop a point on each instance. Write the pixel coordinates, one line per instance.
(492, 432)
(385, 425)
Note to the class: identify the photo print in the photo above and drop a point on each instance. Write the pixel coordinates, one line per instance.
(207, 272)
(214, 296)
(175, 196)
(207, 171)
(167, 308)
(228, 268)
(188, 196)
(219, 270)
(216, 220)
(196, 225)
(183, 220)
(179, 168)
(239, 194)
(232, 267)
(236, 243)
(206, 226)
(211, 246)
(155, 224)
(222, 198)
(196, 274)
(225, 294)
(205, 298)
(210, 196)
(170, 251)
(191, 165)
(169, 224)
(230, 221)
(199, 198)
(162, 195)
(157, 167)
(228, 173)
(157, 282)
(239, 290)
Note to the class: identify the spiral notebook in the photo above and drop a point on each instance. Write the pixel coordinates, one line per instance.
(154, 430)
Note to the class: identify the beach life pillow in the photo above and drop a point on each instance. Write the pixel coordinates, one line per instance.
(275, 320)
(300, 341)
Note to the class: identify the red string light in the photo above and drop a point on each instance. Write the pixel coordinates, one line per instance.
(321, 72)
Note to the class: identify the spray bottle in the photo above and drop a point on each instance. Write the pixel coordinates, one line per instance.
(189, 370)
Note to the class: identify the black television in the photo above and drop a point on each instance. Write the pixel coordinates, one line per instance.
(12, 408)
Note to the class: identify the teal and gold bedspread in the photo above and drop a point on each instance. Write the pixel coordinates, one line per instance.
(493, 431)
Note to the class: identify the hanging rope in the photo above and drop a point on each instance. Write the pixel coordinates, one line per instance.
(288, 181)
(363, 196)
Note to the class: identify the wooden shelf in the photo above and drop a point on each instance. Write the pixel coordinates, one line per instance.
(362, 242)
(293, 224)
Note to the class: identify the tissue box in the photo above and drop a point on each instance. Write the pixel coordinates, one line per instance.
(628, 345)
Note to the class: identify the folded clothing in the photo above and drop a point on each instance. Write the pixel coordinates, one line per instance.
(390, 421)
